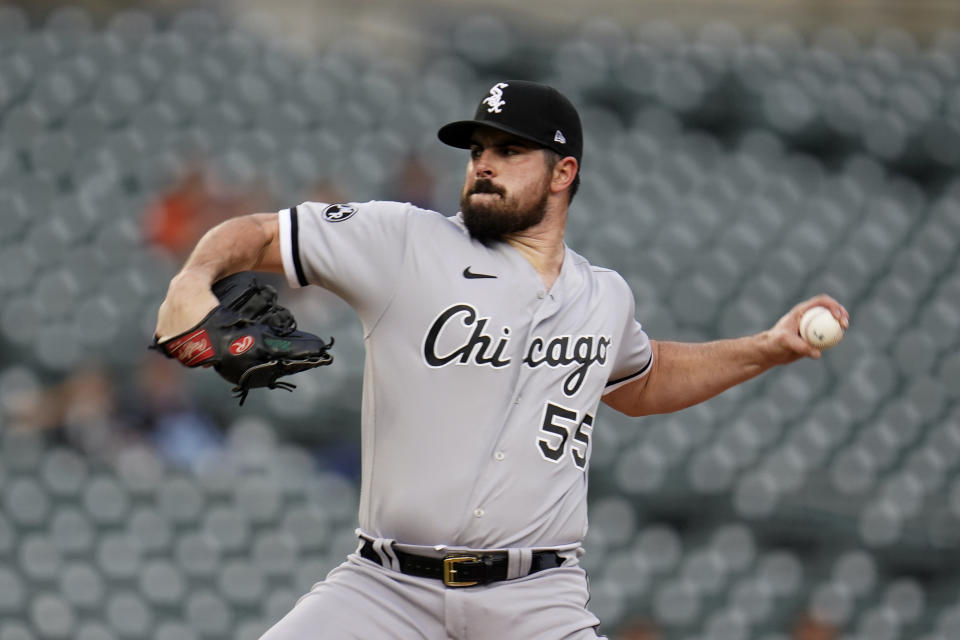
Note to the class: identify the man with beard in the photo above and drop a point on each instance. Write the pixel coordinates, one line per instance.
(489, 346)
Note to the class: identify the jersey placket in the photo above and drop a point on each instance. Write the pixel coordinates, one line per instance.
(542, 306)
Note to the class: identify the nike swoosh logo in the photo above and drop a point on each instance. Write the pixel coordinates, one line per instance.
(470, 275)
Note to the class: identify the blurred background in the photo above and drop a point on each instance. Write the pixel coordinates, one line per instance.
(740, 155)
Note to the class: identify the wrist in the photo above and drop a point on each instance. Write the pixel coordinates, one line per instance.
(768, 350)
(193, 278)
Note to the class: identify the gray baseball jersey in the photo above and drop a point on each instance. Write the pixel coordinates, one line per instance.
(480, 387)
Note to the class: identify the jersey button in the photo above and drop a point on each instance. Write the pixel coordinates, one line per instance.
(498, 456)
(478, 512)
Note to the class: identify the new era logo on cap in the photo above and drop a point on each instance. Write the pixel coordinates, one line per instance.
(558, 137)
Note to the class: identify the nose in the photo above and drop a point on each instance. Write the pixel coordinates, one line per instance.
(482, 167)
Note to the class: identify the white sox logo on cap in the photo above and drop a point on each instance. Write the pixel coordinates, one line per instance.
(538, 113)
(495, 100)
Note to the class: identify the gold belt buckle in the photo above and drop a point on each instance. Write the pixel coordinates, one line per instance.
(450, 571)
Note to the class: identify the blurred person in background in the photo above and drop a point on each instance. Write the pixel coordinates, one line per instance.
(809, 627)
(163, 409)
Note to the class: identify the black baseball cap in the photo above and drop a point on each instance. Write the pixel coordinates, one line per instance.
(532, 111)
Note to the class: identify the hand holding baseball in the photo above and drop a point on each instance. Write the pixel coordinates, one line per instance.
(809, 328)
(820, 328)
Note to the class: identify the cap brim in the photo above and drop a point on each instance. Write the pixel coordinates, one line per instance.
(459, 134)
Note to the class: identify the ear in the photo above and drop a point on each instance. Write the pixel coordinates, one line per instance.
(564, 172)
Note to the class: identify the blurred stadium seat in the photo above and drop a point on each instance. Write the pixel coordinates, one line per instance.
(729, 172)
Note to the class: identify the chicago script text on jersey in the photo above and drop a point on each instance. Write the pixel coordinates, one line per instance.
(462, 326)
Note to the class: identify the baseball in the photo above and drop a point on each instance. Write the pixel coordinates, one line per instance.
(820, 328)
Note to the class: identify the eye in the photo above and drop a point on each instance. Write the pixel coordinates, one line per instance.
(475, 152)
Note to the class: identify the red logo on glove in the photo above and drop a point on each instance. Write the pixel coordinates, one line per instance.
(241, 345)
(191, 349)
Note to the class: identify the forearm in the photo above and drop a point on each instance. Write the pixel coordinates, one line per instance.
(684, 374)
(239, 244)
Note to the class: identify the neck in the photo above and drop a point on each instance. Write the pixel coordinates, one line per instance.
(542, 246)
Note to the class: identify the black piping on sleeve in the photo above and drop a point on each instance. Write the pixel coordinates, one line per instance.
(635, 374)
(295, 248)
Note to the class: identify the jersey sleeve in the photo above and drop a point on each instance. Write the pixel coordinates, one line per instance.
(355, 250)
(634, 357)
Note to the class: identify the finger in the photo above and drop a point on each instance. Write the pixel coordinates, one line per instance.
(824, 300)
(801, 347)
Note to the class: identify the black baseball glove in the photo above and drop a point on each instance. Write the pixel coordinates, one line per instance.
(248, 338)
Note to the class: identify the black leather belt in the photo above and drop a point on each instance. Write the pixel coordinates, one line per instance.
(462, 569)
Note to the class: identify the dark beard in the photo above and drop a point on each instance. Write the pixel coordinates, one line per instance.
(489, 222)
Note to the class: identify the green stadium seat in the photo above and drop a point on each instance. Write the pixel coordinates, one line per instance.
(308, 525)
(228, 526)
(105, 500)
(52, 616)
(313, 569)
(197, 554)
(707, 569)
(275, 554)
(71, 531)
(640, 470)
(174, 630)
(278, 603)
(15, 631)
(139, 468)
(659, 546)
(162, 584)
(756, 494)
(753, 598)
(729, 623)
(118, 556)
(250, 629)
(94, 631)
(180, 500)
(82, 586)
(26, 502)
(678, 603)
(208, 614)
(832, 602)
(881, 523)
(712, 470)
(609, 597)
(8, 535)
(906, 599)
(152, 531)
(929, 395)
(857, 570)
(880, 623)
(948, 621)
(129, 615)
(241, 583)
(13, 592)
(615, 517)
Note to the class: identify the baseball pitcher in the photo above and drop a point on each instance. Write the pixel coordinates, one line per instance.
(489, 346)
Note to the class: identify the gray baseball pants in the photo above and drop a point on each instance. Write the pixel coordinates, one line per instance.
(361, 600)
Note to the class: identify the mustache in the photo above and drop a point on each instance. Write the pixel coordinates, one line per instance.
(483, 185)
